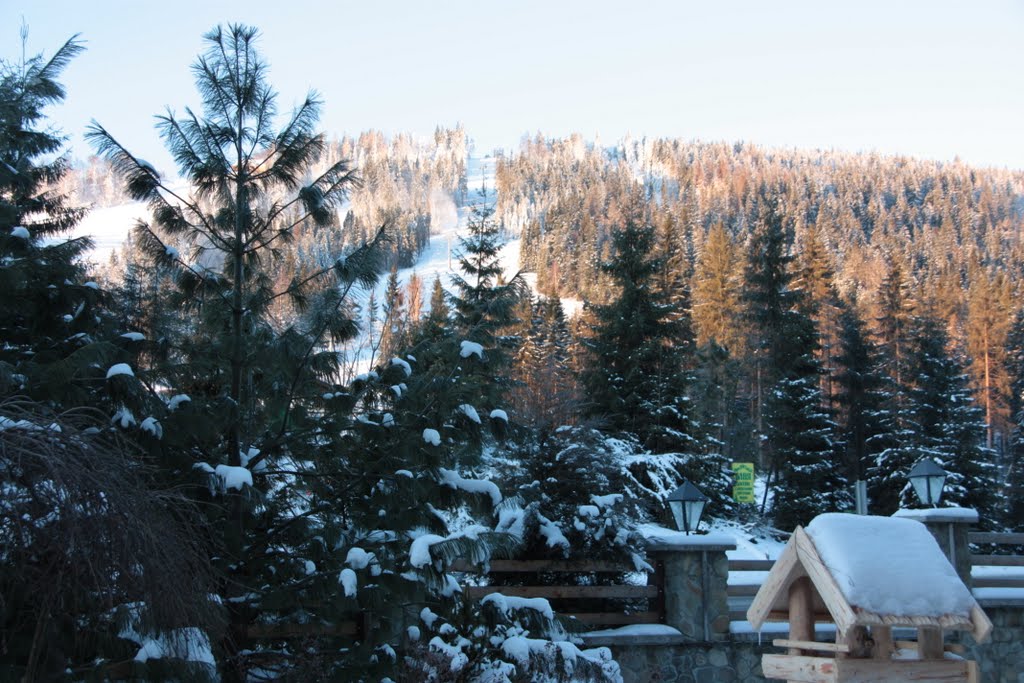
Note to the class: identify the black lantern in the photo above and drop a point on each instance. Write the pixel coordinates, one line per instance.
(928, 478)
(687, 504)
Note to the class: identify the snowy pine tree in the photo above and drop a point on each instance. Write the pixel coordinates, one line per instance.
(947, 426)
(801, 435)
(637, 380)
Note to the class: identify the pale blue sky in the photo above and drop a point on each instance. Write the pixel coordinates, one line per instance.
(929, 78)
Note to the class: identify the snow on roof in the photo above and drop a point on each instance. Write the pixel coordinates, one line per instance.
(889, 566)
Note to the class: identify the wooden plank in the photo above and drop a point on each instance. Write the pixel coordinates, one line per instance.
(929, 642)
(997, 560)
(614, 618)
(998, 539)
(955, 648)
(973, 672)
(898, 671)
(751, 565)
(810, 645)
(554, 566)
(802, 669)
(559, 592)
(786, 570)
(997, 582)
(285, 630)
(741, 591)
(657, 579)
(801, 612)
(982, 624)
(826, 586)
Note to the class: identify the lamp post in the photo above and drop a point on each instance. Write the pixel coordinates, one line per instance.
(687, 505)
(928, 478)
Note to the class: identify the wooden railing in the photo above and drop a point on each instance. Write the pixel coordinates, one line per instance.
(601, 605)
(986, 560)
(745, 590)
(592, 605)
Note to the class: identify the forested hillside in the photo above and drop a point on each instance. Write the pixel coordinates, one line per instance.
(889, 237)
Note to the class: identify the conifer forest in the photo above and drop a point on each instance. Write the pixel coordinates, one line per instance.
(328, 379)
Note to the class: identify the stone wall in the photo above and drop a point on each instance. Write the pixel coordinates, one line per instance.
(738, 659)
(735, 662)
(1001, 659)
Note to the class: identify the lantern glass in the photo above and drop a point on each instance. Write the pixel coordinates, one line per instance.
(928, 480)
(687, 504)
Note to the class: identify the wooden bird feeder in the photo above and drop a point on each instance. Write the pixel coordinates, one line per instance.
(867, 575)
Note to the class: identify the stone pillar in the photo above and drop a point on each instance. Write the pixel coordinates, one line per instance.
(949, 526)
(694, 585)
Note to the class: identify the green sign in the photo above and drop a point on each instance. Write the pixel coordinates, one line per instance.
(743, 482)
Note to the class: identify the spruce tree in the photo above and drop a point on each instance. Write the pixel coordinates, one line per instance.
(947, 426)
(799, 447)
(895, 323)
(394, 330)
(637, 381)
(483, 304)
(861, 396)
(48, 308)
(91, 537)
(768, 300)
(801, 435)
(814, 278)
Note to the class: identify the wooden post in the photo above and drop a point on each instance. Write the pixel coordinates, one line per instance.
(883, 647)
(856, 641)
(929, 642)
(657, 578)
(801, 612)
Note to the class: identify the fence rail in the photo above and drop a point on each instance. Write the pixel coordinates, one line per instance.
(600, 608)
(995, 571)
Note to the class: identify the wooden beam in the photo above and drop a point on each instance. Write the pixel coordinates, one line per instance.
(741, 591)
(783, 573)
(897, 671)
(998, 582)
(802, 669)
(955, 648)
(558, 592)
(982, 624)
(783, 615)
(614, 618)
(801, 612)
(554, 566)
(827, 670)
(997, 561)
(810, 645)
(751, 565)
(998, 539)
(827, 587)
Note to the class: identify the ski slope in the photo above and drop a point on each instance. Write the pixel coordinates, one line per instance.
(109, 227)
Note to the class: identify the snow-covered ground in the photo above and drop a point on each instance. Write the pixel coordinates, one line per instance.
(109, 227)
